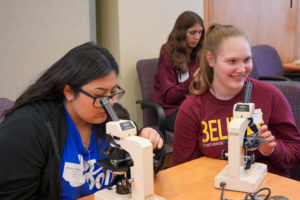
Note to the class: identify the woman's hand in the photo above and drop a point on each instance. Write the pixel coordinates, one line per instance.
(154, 137)
(266, 148)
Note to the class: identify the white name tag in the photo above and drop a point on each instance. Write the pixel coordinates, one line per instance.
(257, 116)
(74, 173)
(183, 77)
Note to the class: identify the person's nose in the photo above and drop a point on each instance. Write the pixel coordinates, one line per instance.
(198, 36)
(108, 94)
(110, 101)
(241, 67)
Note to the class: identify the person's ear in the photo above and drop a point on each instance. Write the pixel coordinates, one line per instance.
(69, 93)
(210, 59)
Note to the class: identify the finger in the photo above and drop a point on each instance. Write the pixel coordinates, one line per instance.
(270, 138)
(266, 134)
(272, 144)
(263, 129)
(145, 133)
(155, 140)
(161, 143)
(153, 137)
(149, 134)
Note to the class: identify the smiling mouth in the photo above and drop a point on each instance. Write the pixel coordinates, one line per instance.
(237, 76)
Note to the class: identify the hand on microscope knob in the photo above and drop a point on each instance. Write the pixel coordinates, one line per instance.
(154, 137)
(266, 148)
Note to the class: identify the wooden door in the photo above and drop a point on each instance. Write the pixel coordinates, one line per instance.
(274, 22)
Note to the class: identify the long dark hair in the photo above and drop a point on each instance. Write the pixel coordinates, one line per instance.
(176, 45)
(79, 66)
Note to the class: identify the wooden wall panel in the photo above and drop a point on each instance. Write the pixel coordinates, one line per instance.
(267, 22)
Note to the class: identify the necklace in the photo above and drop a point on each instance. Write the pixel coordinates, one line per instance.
(86, 143)
(87, 148)
(85, 138)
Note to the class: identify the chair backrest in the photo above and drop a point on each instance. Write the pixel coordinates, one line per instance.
(291, 90)
(146, 69)
(5, 104)
(266, 61)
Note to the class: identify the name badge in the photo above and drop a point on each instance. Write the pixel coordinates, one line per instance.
(183, 77)
(73, 173)
(257, 116)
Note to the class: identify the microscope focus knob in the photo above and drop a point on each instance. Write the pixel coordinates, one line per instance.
(224, 155)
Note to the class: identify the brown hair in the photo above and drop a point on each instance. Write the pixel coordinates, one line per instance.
(176, 45)
(216, 34)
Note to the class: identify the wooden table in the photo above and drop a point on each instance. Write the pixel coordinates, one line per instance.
(291, 67)
(194, 180)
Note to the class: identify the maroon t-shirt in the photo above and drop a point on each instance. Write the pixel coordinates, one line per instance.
(202, 122)
(168, 90)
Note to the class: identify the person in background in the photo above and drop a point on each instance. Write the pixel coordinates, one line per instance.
(218, 84)
(177, 64)
(54, 135)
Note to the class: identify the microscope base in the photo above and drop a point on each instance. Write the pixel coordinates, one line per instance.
(107, 194)
(248, 182)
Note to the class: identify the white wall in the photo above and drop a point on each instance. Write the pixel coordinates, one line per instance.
(36, 33)
(142, 27)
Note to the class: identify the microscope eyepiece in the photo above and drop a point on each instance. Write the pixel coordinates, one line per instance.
(109, 110)
(247, 92)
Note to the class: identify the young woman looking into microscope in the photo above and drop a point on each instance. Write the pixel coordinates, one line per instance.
(51, 139)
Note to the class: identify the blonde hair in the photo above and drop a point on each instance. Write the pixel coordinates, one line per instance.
(216, 34)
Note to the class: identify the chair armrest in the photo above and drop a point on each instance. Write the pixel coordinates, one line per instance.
(294, 76)
(161, 116)
(274, 78)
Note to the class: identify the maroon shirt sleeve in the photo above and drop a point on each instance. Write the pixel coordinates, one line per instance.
(186, 132)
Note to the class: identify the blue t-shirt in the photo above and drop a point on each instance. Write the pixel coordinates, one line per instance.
(80, 173)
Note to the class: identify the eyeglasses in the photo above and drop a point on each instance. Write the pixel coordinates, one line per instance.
(115, 97)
